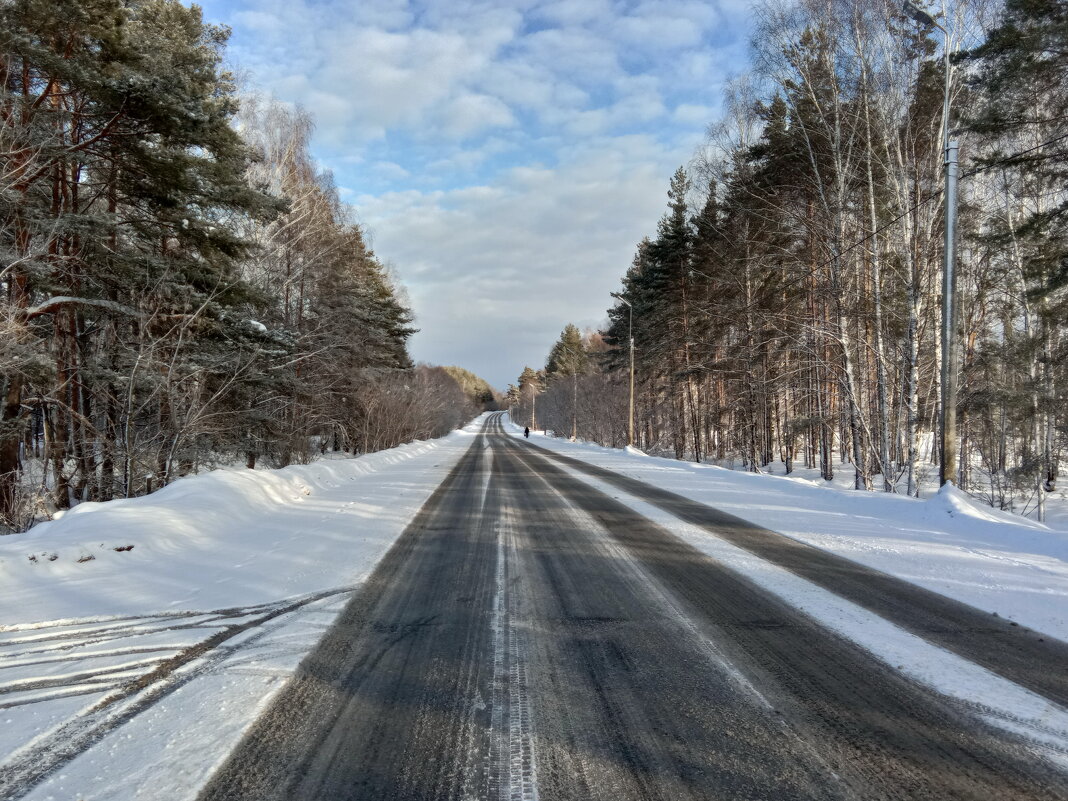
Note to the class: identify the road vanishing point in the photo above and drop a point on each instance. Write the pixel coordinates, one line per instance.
(530, 636)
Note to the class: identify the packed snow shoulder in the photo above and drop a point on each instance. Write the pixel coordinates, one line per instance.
(993, 560)
(197, 603)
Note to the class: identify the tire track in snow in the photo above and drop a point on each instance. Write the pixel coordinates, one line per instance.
(30, 765)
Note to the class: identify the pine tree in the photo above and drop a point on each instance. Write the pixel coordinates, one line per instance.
(568, 355)
(670, 281)
(1022, 82)
(180, 284)
(116, 226)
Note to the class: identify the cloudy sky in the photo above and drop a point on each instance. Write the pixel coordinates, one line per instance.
(505, 156)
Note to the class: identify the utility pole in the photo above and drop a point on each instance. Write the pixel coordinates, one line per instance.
(630, 334)
(949, 326)
(948, 411)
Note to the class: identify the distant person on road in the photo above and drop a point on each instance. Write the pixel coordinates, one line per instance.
(526, 432)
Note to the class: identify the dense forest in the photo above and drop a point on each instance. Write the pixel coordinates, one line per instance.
(181, 286)
(787, 308)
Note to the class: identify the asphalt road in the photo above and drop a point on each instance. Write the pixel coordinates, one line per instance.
(529, 636)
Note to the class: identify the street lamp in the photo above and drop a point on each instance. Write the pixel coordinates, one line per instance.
(948, 442)
(630, 334)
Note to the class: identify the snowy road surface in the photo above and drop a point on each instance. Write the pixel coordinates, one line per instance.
(537, 631)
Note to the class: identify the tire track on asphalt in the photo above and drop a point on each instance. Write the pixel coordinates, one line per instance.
(885, 736)
(1032, 660)
(514, 773)
(631, 702)
(392, 703)
(971, 687)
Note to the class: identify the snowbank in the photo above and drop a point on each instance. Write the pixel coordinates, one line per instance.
(949, 543)
(231, 537)
(233, 576)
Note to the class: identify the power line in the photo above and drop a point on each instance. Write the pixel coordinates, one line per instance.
(1014, 156)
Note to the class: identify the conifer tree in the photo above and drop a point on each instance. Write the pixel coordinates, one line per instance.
(568, 355)
(1022, 82)
(179, 285)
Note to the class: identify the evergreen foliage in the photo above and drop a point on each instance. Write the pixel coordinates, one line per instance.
(181, 286)
(789, 309)
(568, 355)
(475, 388)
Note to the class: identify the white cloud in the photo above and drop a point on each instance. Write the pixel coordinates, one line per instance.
(462, 69)
(388, 170)
(395, 79)
(458, 161)
(471, 113)
(259, 21)
(693, 114)
(654, 30)
(507, 155)
(373, 67)
(583, 54)
(531, 86)
(573, 12)
(495, 272)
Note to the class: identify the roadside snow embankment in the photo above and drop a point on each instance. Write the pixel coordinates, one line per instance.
(993, 560)
(131, 672)
(231, 537)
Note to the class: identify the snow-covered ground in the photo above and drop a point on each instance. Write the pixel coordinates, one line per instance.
(185, 636)
(234, 575)
(1022, 504)
(990, 559)
(993, 560)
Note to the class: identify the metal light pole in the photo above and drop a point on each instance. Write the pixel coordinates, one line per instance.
(630, 333)
(948, 412)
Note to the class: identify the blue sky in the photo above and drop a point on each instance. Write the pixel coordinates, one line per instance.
(505, 157)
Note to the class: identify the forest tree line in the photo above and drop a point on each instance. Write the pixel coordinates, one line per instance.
(181, 286)
(788, 306)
